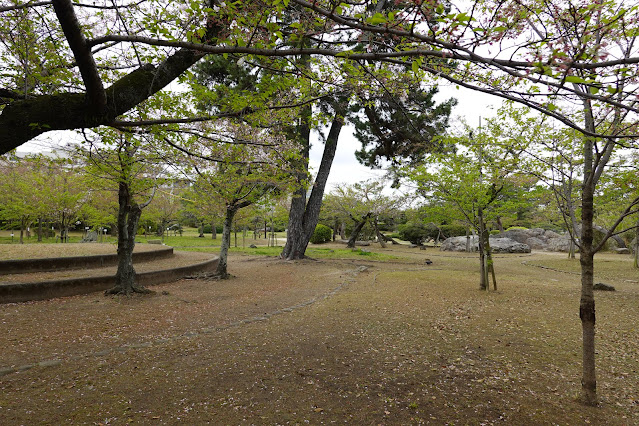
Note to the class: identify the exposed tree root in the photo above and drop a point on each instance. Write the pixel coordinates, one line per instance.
(209, 276)
(118, 290)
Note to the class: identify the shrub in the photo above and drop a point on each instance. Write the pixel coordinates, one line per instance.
(494, 232)
(208, 229)
(321, 234)
(416, 233)
(453, 230)
(517, 228)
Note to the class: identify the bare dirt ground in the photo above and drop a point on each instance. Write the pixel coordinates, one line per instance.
(330, 341)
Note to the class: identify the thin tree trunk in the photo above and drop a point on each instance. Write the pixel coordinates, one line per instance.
(587, 301)
(483, 282)
(490, 265)
(221, 270)
(39, 229)
(213, 231)
(636, 262)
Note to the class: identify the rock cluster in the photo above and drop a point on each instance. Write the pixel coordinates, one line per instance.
(515, 241)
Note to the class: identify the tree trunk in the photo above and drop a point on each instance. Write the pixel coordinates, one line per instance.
(483, 282)
(587, 301)
(636, 262)
(201, 230)
(379, 235)
(303, 216)
(357, 230)
(39, 229)
(221, 271)
(129, 214)
(467, 240)
(490, 265)
(342, 231)
(213, 231)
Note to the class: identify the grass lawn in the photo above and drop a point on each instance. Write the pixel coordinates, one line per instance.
(361, 340)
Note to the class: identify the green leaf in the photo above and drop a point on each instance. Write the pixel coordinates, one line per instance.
(575, 79)
(378, 18)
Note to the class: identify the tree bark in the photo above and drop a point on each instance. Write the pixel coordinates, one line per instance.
(23, 120)
(636, 262)
(303, 216)
(357, 230)
(213, 231)
(379, 235)
(129, 214)
(221, 271)
(483, 282)
(586, 259)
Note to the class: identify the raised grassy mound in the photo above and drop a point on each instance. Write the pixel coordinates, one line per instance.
(30, 278)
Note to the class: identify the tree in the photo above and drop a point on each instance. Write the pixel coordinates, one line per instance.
(362, 202)
(479, 180)
(401, 128)
(238, 171)
(119, 160)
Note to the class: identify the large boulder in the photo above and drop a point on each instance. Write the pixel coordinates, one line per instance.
(536, 243)
(458, 244)
(506, 245)
(559, 244)
(498, 245)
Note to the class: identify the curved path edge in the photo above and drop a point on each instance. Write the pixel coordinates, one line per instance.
(42, 290)
(50, 264)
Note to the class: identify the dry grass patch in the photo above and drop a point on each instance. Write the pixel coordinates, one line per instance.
(391, 343)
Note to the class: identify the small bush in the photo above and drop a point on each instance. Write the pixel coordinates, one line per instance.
(517, 228)
(453, 230)
(494, 232)
(321, 234)
(208, 229)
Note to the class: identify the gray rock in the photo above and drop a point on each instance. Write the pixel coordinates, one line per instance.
(551, 234)
(91, 237)
(506, 245)
(603, 287)
(559, 244)
(536, 243)
(498, 245)
(253, 246)
(519, 235)
(622, 250)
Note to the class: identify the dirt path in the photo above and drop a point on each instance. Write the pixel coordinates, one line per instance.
(320, 342)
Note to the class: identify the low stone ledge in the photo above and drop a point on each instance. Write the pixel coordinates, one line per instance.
(25, 292)
(25, 266)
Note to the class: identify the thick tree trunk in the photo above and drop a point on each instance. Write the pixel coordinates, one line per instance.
(127, 227)
(303, 216)
(357, 230)
(221, 271)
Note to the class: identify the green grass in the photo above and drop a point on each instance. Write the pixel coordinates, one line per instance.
(312, 252)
